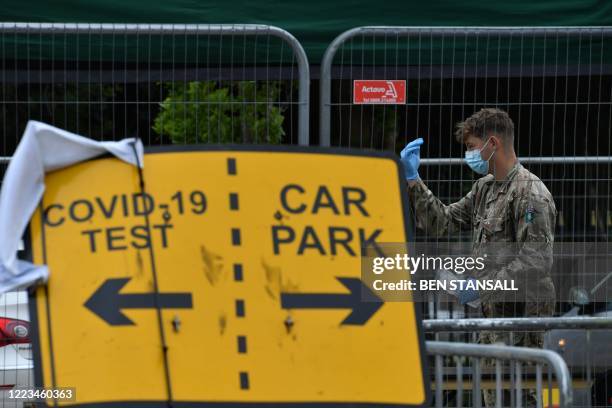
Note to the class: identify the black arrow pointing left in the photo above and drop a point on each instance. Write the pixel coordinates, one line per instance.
(107, 302)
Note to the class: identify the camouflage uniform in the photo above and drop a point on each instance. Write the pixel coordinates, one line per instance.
(513, 222)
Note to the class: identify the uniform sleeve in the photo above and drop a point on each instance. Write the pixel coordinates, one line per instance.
(534, 217)
(436, 218)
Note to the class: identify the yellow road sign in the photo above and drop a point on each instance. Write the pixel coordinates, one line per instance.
(234, 278)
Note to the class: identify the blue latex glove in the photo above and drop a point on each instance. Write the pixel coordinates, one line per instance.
(467, 295)
(410, 158)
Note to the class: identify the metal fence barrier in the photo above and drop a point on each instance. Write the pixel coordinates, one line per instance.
(555, 82)
(556, 85)
(166, 83)
(499, 354)
(527, 160)
(187, 84)
(446, 63)
(582, 342)
(517, 324)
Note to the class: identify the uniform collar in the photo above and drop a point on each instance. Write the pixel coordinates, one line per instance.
(512, 173)
(500, 187)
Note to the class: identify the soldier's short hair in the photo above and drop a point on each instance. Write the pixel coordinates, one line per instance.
(485, 122)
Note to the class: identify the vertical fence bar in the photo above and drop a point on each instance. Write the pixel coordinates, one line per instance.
(459, 370)
(476, 390)
(499, 399)
(439, 381)
(589, 377)
(550, 388)
(539, 385)
(518, 385)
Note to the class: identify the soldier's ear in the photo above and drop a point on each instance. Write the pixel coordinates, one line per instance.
(495, 142)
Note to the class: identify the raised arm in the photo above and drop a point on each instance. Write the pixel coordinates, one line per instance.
(434, 217)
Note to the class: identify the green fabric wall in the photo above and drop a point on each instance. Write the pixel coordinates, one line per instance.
(316, 22)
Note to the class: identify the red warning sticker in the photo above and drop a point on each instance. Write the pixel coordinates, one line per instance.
(392, 92)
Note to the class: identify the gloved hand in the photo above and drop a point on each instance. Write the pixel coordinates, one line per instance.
(410, 158)
(467, 295)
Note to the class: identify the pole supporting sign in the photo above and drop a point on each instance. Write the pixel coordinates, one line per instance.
(223, 277)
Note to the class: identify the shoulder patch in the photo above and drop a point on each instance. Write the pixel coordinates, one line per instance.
(530, 214)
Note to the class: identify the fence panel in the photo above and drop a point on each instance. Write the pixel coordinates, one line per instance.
(556, 84)
(582, 342)
(166, 84)
(177, 84)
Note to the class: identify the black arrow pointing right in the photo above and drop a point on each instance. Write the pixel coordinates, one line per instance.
(361, 310)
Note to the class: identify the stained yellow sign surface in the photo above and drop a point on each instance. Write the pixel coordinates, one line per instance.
(256, 256)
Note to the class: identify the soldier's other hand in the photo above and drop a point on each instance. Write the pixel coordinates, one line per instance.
(468, 295)
(410, 158)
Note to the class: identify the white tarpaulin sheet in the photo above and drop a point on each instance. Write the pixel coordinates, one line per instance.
(42, 148)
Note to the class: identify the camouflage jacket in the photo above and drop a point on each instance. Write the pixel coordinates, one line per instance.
(512, 221)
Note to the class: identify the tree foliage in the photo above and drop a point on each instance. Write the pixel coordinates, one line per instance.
(205, 112)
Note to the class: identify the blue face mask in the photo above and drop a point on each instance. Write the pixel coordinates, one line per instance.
(474, 159)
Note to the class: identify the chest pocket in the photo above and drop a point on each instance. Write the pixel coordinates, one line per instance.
(493, 229)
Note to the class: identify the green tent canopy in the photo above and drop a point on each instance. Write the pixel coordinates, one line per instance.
(314, 23)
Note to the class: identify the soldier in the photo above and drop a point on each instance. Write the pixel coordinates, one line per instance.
(512, 216)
